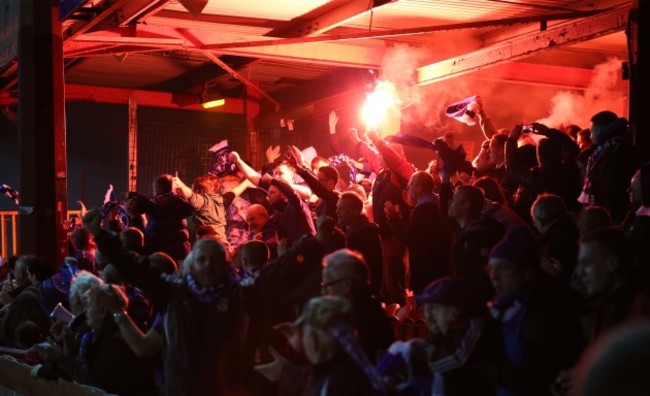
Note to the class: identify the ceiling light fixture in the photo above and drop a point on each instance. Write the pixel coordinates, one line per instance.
(209, 104)
(209, 100)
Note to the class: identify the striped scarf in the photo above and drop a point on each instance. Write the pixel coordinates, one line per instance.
(587, 197)
(456, 359)
(346, 338)
(208, 294)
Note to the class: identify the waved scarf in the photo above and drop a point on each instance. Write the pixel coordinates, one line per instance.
(209, 294)
(346, 338)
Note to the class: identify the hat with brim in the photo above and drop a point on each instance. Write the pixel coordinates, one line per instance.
(450, 291)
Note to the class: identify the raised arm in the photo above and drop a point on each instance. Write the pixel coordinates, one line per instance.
(241, 187)
(333, 137)
(181, 188)
(395, 162)
(312, 181)
(113, 299)
(250, 173)
(135, 269)
(487, 127)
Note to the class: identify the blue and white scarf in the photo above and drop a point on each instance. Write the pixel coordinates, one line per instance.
(586, 196)
(209, 294)
(346, 338)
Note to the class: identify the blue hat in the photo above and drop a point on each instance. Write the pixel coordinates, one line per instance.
(450, 291)
(517, 246)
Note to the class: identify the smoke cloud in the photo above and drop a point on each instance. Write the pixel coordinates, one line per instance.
(423, 107)
(571, 107)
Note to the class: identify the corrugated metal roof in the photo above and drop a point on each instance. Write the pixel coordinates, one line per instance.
(223, 20)
(283, 10)
(414, 13)
(136, 70)
(274, 75)
(216, 27)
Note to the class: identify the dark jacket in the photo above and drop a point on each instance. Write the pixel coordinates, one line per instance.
(292, 217)
(471, 253)
(609, 172)
(541, 333)
(561, 242)
(429, 243)
(340, 376)
(375, 331)
(328, 198)
(107, 362)
(203, 340)
(363, 236)
(23, 308)
(562, 179)
(629, 302)
(638, 230)
(166, 229)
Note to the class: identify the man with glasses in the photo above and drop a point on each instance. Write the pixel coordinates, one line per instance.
(345, 274)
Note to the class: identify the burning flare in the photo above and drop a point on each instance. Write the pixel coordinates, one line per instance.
(378, 104)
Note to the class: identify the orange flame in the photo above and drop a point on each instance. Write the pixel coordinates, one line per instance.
(378, 104)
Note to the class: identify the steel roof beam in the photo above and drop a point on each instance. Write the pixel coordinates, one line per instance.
(330, 19)
(526, 45)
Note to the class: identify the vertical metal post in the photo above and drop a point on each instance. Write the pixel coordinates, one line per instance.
(251, 110)
(638, 60)
(4, 252)
(41, 126)
(133, 144)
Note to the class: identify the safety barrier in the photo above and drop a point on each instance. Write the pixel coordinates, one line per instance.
(16, 379)
(9, 231)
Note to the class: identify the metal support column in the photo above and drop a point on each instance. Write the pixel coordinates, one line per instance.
(133, 144)
(251, 110)
(638, 61)
(43, 173)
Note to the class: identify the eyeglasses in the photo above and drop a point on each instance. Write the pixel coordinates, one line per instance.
(324, 285)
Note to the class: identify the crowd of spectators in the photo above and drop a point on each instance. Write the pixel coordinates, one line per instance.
(511, 273)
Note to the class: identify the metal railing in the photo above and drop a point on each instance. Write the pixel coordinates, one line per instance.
(9, 231)
(16, 379)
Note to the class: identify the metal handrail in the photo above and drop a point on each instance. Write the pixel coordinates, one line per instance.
(9, 227)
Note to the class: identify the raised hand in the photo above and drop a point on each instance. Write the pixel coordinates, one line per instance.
(295, 156)
(111, 297)
(333, 120)
(272, 153)
(234, 157)
(538, 127)
(83, 208)
(391, 210)
(516, 131)
(273, 370)
(292, 158)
